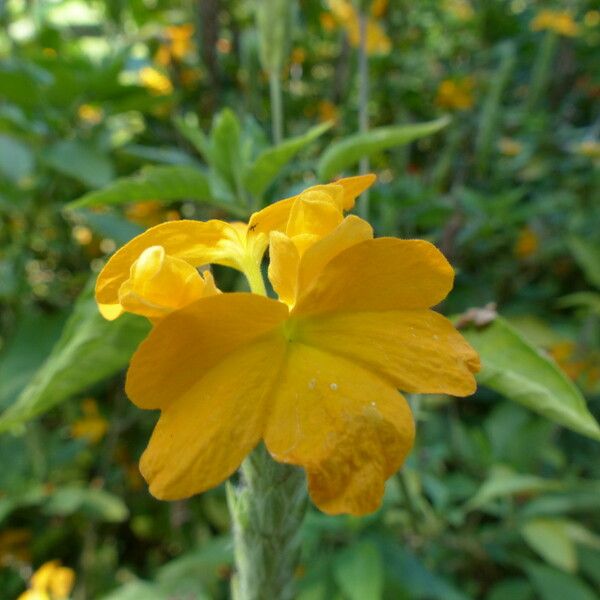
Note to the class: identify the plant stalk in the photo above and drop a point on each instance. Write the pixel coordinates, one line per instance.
(276, 106)
(267, 508)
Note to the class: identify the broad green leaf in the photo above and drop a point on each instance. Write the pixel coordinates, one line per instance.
(358, 571)
(163, 183)
(93, 503)
(513, 588)
(502, 482)
(89, 350)
(552, 584)
(551, 540)
(225, 137)
(16, 159)
(26, 350)
(110, 225)
(587, 300)
(158, 154)
(587, 255)
(189, 128)
(347, 152)
(135, 590)
(80, 161)
(516, 369)
(269, 162)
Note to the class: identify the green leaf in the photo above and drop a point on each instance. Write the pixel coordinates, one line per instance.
(551, 540)
(589, 301)
(164, 183)
(347, 152)
(80, 161)
(552, 584)
(16, 159)
(269, 162)
(158, 154)
(92, 503)
(26, 350)
(226, 147)
(189, 128)
(358, 571)
(516, 369)
(502, 482)
(587, 256)
(134, 590)
(89, 350)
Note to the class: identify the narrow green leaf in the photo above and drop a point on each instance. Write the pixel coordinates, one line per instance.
(347, 152)
(226, 147)
(587, 256)
(516, 369)
(358, 571)
(550, 539)
(163, 183)
(269, 162)
(89, 350)
(505, 483)
(93, 503)
(189, 128)
(80, 161)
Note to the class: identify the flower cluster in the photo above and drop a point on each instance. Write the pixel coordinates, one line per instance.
(314, 374)
(51, 581)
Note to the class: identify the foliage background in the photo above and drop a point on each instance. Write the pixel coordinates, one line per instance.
(497, 501)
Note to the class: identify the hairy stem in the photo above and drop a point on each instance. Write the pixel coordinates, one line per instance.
(267, 508)
(363, 104)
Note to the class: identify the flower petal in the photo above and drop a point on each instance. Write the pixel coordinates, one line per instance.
(418, 350)
(203, 437)
(275, 216)
(380, 274)
(190, 342)
(348, 427)
(196, 242)
(283, 266)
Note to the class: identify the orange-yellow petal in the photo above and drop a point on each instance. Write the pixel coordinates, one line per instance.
(195, 339)
(379, 274)
(418, 350)
(202, 438)
(275, 216)
(284, 259)
(348, 427)
(159, 284)
(195, 242)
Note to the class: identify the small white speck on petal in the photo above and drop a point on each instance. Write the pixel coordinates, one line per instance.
(333, 386)
(312, 384)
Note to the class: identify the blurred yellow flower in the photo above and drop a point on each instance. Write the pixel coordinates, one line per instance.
(461, 9)
(377, 41)
(92, 426)
(527, 243)
(82, 235)
(180, 39)
(90, 114)
(50, 582)
(588, 148)
(592, 18)
(229, 370)
(328, 111)
(510, 146)
(379, 8)
(190, 76)
(560, 22)
(155, 81)
(456, 94)
(298, 55)
(328, 21)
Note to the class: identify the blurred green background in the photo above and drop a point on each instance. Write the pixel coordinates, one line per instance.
(118, 115)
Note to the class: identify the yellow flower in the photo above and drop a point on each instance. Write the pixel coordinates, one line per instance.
(510, 147)
(377, 41)
(328, 21)
(328, 111)
(90, 114)
(588, 148)
(560, 22)
(92, 426)
(461, 9)
(155, 81)
(315, 374)
(180, 40)
(455, 94)
(527, 243)
(50, 582)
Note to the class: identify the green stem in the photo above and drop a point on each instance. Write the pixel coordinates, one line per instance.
(542, 69)
(267, 508)
(276, 106)
(363, 104)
